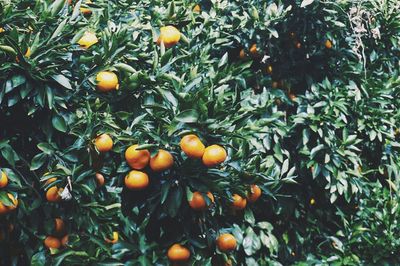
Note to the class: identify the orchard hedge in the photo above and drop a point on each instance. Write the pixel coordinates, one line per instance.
(303, 96)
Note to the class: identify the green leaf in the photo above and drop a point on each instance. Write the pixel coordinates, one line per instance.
(38, 161)
(188, 116)
(59, 123)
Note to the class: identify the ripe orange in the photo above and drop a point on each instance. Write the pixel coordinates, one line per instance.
(137, 159)
(197, 9)
(169, 35)
(3, 179)
(6, 209)
(103, 143)
(163, 160)
(52, 194)
(254, 194)
(198, 202)
(99, 180)
(238, 203)
(312, 201)
(328, 44)
(214, 155)
(298, 45)
(2, 30)
(114, 239)
(64, 240)
(136, 180)
(253, 50)
(59, 227)
(242, 54)
(226, 242)
(192, 146)
(52, 242)
(178, 253)
(88, 39)
(107, 81)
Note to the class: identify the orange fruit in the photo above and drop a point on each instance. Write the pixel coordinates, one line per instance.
(137, 159)
(253, 50)
(198, 202)
(107, 81)
(52, 242)
(214, 155)
(3, 179)
(226, 242)
(238, 203)
(136, 180)
(64, 240)
(328, 44)
(192, 146)
(178, 253)
(298, 45)
(312, 201)
(103, 143)
(99, 180)
(242, 54)
(50, 180)
(169, 35)
(59, 226)
(88, 39)
(254, 194)
(197, 9)
(6, 209)
(85, 10)
(163, 160)
(269, 69)
(114, 239)
(52, 194)
(2, 30)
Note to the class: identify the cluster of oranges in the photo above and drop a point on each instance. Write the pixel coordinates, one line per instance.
(59, 238)
(4, 209)
(178, 253)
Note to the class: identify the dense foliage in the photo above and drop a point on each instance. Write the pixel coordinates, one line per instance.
(302, 95)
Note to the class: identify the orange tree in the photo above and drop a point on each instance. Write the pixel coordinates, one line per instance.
(209, 133)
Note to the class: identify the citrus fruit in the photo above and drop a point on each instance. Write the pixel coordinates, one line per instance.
(64, 240)
(52, 194)
(114, 239)
(192, 146)
(198, 201)
(136, 180)
(3, 179)
(169, 35)
(214, 155)
(253, 50)
(163, 160)
(238, 203)
(328, 44)
(226, 242)
(59, 226)
(52, 242)
(99, 180)
(88, 39)
(178, 253)
(137, 159)
(197, 9)
(254, 194)
(103, 143)
(107, 81)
